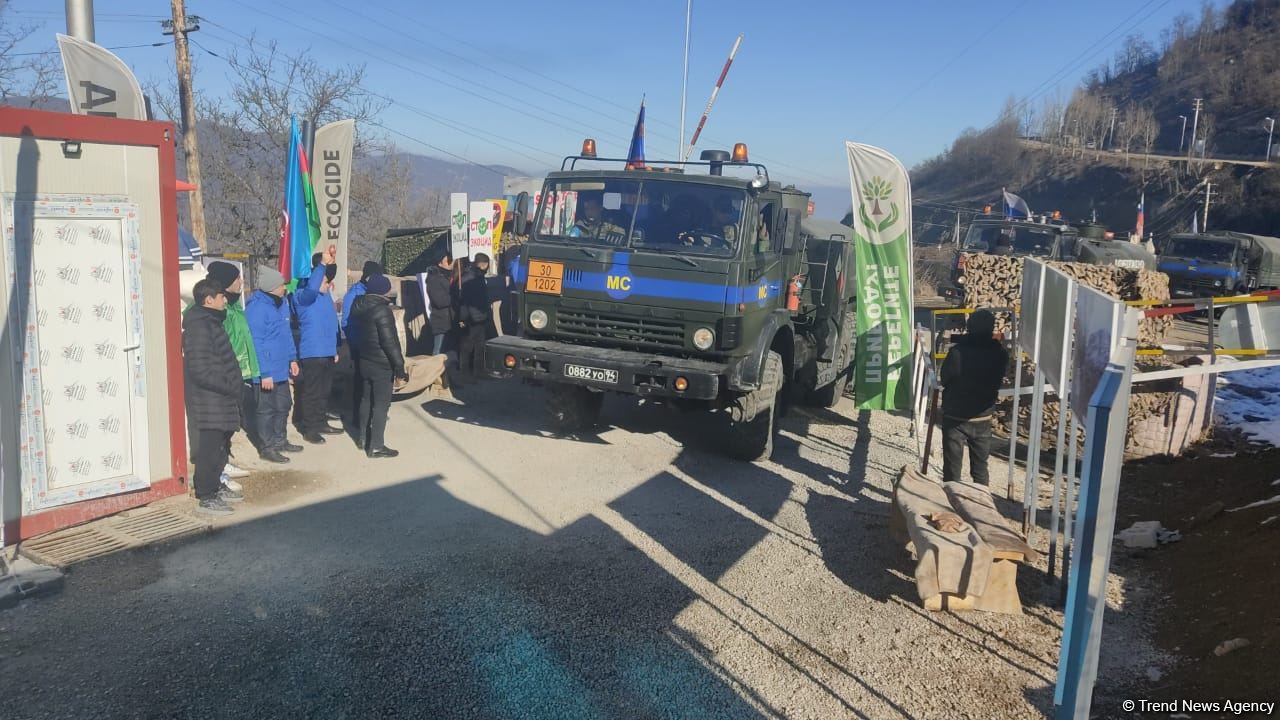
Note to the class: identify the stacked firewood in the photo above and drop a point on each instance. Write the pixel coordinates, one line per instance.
(1142, 405)
(996, 281)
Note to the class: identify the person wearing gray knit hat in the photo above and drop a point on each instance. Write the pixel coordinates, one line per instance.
(269, 279)
(269, 319)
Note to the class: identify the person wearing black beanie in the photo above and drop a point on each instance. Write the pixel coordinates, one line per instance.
(227, 276)
(357, 289)
(375, 339)
(971, 378)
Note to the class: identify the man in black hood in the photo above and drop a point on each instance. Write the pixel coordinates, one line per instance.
(374, 335)
(971, 377)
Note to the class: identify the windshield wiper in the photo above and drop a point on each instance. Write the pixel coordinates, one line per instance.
(691, 261)
(588, 253)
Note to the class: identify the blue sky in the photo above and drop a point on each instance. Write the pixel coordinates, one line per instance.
(907, 76)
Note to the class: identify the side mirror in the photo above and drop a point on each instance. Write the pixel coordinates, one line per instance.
(522, 214)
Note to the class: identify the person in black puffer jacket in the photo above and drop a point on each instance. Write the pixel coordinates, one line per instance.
(212, 381)
(971, 377)
(439, 278)
(372, 332)
(474, 315)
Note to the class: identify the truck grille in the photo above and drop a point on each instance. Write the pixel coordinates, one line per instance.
(620, 330)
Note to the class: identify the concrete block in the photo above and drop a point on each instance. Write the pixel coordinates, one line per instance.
(1142, 534)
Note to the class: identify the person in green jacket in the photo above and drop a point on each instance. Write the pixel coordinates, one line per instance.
(228, 276)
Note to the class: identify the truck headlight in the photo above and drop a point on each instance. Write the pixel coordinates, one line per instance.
(703, 338)
(960, 280)
(1217, 283)
(538, 319)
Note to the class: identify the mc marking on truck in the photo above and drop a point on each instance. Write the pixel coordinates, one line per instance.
(618, 282)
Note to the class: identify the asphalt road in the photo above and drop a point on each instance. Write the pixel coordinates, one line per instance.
(495, 571)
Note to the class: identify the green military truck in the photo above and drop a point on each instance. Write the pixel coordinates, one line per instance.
(680, 282)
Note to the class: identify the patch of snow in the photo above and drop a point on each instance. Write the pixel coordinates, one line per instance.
(1249, 401)
(1260, 503)
(1223, 455)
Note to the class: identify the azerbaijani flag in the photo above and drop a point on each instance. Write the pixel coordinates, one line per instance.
(300, 218)
(635, 155)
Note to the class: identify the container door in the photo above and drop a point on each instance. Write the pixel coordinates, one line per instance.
(83, 396)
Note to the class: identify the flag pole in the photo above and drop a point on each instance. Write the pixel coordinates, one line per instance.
(684, 85)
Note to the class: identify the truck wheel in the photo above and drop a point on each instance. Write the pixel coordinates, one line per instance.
(571, 408)
(828, 395)
(752, 439)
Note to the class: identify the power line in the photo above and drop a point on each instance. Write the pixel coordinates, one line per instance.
(519, 81)
(374, 123)
(460, 88)
(117, 47)
(1089, 53)
(500, 141)
(942, 68)
(626, 122)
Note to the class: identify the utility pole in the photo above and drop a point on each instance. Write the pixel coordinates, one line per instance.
(1195, 124)
(1208, 193)
(1183, 138)
(190, 144)
(1111, 131)
(80, 19)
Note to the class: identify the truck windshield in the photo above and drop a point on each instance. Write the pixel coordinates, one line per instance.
(653, 215)
(1010, 240)
(1201, 249)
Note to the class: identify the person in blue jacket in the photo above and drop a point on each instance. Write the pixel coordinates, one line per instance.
(317, 348)
(356, 290)
(268, 316)
(361, 287)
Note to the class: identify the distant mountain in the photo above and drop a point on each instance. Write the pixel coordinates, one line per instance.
(436, 174)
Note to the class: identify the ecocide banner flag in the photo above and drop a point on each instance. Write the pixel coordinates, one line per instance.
(882, 256)
(331, 180)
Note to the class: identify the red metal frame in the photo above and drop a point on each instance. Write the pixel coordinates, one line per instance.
(160, 135)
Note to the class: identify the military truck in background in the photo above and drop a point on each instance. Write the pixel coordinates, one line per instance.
(1047, 239)
(1220, 263)
(680, 282)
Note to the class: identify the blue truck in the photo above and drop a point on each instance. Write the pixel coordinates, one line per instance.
(1220, 263)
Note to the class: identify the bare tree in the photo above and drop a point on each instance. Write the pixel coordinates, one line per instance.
(1135, 54)
(24, 76)
(247, 135)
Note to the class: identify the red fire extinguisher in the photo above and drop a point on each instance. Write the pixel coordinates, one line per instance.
(794, 289)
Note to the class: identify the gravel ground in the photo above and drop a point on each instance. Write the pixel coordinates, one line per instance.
(495, 571)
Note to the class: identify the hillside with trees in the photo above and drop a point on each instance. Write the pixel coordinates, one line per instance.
(1090, 153)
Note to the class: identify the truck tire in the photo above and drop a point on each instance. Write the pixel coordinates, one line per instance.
(752, 439)
(828, 395)
(571, 408)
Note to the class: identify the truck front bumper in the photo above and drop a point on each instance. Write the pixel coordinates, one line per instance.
(622, 371)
